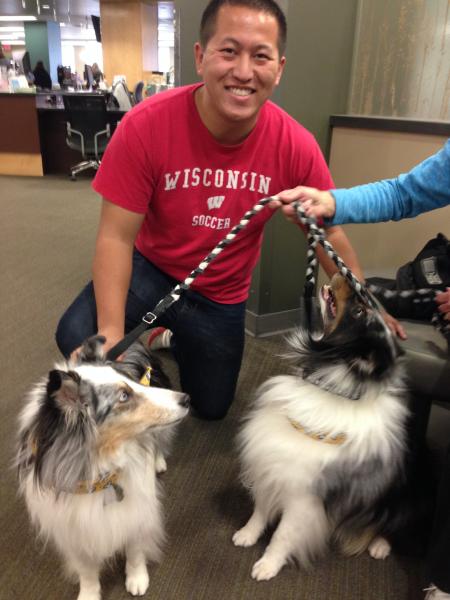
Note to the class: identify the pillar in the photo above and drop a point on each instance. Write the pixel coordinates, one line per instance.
(43, 42)
(129, 39)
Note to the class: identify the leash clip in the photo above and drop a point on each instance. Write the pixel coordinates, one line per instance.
(149, 318)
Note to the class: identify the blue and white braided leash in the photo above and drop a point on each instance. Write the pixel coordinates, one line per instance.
(315, 235)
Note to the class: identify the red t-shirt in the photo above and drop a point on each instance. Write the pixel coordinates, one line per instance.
(163, 162)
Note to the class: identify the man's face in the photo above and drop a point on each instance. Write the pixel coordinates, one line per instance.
(240, 67)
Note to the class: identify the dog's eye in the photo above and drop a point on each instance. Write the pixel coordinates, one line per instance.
(124, 396)
(358, 312)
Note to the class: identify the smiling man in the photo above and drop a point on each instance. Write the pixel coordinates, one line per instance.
(180, 171)
(241, 59)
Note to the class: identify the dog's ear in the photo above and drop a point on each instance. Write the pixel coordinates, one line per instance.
(92, 350)
(64, 387)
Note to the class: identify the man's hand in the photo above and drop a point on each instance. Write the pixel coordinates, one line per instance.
(315, 202)
(394, 325)
(443, 302)
(112, 338)
(322, 204)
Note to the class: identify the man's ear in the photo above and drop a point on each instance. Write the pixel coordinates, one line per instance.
(198, 54)
(280, 69)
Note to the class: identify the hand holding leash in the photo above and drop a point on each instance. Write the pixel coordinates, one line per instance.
(315, 235)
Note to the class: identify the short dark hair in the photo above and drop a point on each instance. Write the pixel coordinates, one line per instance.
(209, 17)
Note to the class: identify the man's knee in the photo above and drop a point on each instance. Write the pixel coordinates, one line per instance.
(77, 323)
(210, 401)
(210, 412)
(66, 336)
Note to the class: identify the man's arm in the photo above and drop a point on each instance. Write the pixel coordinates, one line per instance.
(112, 267)
(344, 249)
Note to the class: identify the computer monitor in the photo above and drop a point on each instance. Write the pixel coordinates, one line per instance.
(97, 29)
(64, 75)
(89, 76)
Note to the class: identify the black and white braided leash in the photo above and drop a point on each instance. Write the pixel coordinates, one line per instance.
(424, 296)
(174, 295)
(315, 235)
(368, 293)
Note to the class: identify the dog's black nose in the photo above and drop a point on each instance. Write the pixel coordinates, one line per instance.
(185, 400)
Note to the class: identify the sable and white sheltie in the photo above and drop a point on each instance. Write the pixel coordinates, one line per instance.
(325, 450)
(92, 437)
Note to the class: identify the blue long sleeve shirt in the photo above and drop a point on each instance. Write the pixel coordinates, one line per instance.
(424, 188)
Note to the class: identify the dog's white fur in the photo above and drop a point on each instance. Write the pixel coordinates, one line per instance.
(90, 528)
(286, 471)
(281, 466)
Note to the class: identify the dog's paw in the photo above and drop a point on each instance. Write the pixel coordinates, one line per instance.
(160, 463)
(137, 580)
(89, 595)
(245, 537)
(379, 548)
(265, 568)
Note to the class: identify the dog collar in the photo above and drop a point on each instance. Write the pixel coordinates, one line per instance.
(336, 440)
(331, 387)
(105, 482)
(98, 485)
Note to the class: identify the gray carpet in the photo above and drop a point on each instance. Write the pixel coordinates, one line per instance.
(47, 237)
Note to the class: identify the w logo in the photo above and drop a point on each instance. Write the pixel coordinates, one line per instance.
(215, 202)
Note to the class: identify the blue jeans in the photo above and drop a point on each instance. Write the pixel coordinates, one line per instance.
(208, 337)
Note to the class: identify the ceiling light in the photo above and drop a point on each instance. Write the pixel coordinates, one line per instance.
(46, 6)
(12, 28)
(18, 18)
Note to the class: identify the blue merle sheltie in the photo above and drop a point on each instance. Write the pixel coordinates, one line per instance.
(92, 437)
(325, 451)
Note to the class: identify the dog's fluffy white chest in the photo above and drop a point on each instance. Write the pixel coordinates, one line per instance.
(101, 528)
(278, 454)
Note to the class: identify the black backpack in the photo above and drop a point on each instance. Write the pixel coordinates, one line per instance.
(430, 270)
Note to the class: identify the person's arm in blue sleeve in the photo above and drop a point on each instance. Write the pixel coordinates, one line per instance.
(424, 188)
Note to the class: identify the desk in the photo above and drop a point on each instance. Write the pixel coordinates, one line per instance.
(33, 137)
(20, 152)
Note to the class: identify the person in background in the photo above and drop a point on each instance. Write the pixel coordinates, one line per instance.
(426, 187)
(96, 73)
(41, 77)
(4, 62)
(178, 174)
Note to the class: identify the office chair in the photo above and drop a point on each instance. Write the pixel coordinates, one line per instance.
(87, 129)
(122, 95)
(138, 96)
